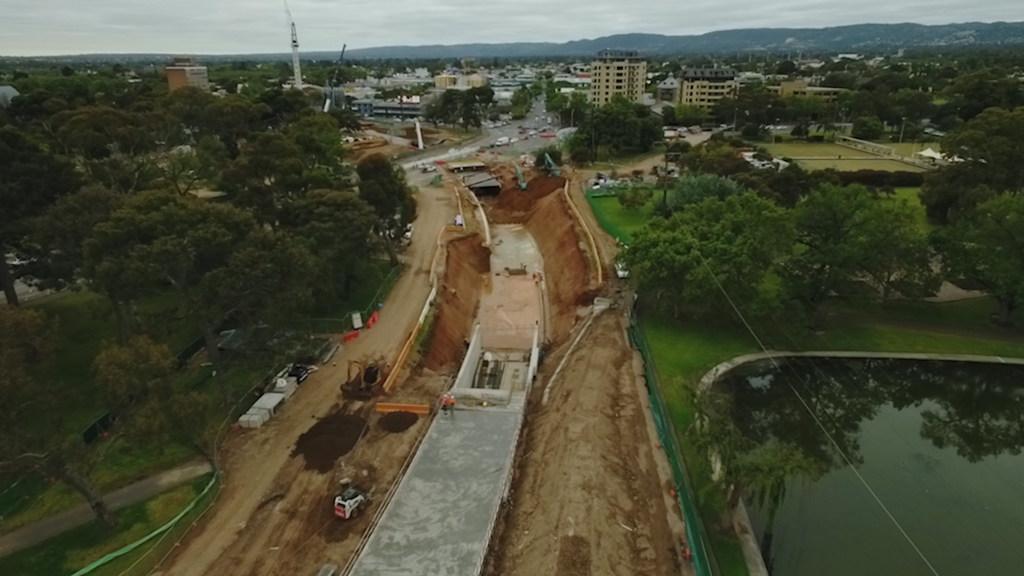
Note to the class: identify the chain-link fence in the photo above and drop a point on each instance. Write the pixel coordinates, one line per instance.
(695, 534)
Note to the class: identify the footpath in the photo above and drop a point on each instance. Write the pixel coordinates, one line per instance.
(47, 528)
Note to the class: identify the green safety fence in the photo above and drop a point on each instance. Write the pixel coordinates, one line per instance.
(695, 532)
(128, 549)
(382, 292)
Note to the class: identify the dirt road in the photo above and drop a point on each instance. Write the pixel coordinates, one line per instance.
(260, 523)
(588, 499)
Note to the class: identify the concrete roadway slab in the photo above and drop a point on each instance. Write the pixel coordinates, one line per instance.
(440, 519)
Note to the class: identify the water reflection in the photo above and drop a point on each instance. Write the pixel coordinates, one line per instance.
(917, 431)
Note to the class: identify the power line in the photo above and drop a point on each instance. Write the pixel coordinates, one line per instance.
(817, 421)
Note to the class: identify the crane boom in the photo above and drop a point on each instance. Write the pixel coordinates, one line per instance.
(296, 66)
(329, 93)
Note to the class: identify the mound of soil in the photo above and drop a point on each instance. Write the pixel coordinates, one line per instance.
(329, 439)
(397, 421)
(466, 262)
(512, 203)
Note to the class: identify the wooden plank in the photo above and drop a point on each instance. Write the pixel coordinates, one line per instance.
(386, 407)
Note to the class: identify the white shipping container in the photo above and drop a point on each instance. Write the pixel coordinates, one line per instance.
(269, 402)
(253, 419)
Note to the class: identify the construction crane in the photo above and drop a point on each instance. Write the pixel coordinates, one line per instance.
(333, 82)
(296, 67)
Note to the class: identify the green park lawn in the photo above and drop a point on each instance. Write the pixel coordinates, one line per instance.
(849, 165)
(618, 221)
(79, 547)
(809, 149)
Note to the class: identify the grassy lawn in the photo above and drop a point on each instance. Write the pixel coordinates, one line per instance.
(620, 162)
(618, 221)
(809, 149)
(119, 462)
(846, 165)
(77, 548)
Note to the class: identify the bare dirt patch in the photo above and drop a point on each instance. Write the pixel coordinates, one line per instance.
(465, 276)
(397, 421)
(587, 498)
(329, 439)
(573, 556)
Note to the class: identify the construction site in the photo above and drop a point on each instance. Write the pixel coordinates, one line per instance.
(492, 422)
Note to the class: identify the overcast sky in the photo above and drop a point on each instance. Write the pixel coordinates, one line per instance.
(39, 27)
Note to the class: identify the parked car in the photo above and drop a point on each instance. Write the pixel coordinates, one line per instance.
(300, 372)
(620, 270)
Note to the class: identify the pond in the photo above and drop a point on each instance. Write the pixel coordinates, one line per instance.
(907, 467)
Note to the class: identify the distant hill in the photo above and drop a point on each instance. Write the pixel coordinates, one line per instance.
(854, 38)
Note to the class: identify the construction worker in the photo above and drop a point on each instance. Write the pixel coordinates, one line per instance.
(447, 403)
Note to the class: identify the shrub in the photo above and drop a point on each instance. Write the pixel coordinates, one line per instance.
(882, 179)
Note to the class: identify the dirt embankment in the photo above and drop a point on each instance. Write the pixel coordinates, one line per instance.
(467, 266)
(542, 208)
(565, 262)
(587, 499)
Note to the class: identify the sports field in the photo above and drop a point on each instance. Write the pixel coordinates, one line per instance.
(810, 150)
(854, 165)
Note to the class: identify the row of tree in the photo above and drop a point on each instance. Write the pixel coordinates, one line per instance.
(123, 201)
(618, 128)
(835, 242)
(466, 108)
(892, 100)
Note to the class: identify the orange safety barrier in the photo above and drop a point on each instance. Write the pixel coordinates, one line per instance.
(386, 407)
(350, 336)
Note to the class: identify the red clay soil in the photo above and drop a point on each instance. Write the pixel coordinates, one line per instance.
(329, 439)
(467, 266)
(513, 204)
(565, 263)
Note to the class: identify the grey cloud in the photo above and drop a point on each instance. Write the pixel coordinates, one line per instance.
(233, 26)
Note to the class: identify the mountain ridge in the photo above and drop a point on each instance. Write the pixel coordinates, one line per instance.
(864, 37)
(848, 38)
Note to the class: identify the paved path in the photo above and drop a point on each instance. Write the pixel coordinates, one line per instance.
(47, 528)
(715, 373)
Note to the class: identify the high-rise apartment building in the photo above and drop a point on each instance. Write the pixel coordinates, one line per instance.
(617, 72)
(704, 87)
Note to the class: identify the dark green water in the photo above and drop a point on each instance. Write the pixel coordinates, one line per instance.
(939, 443)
